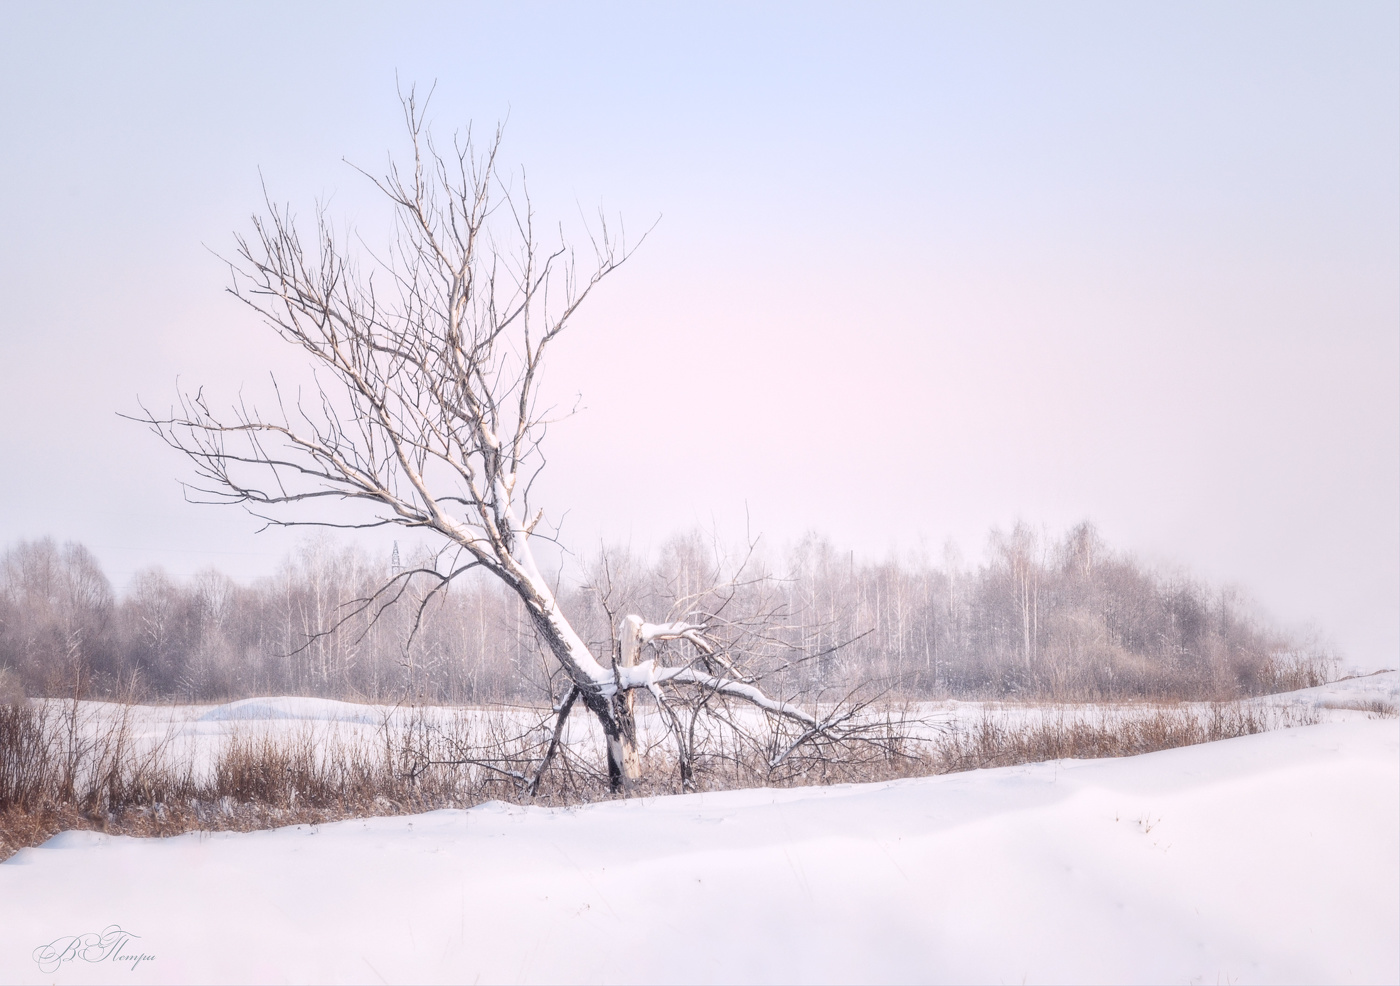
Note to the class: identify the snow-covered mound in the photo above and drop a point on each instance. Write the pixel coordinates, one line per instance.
(1270, 858)
(1366, 692)
(289, 707)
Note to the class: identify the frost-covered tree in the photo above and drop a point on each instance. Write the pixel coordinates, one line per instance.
(426, 411)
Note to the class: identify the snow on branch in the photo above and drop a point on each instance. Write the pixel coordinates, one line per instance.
(672, 631)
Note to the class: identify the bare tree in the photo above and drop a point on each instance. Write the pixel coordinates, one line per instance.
(426, 410)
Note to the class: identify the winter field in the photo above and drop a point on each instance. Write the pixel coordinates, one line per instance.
(196, 733)
(1272, 857)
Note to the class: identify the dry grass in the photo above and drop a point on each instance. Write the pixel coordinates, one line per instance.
(62, 768)
(57, 774)
(995, 740)
(1376, 708)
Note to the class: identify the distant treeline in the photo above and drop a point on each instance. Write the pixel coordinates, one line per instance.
(1038, 618)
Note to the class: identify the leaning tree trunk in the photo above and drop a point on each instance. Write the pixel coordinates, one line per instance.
(614, 711)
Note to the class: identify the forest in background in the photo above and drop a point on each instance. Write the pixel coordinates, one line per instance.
(1040, 617)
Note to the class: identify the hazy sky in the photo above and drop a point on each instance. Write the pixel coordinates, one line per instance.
(920, 270)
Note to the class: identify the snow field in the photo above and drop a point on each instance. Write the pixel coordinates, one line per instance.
(1268, 858)
(196, 733)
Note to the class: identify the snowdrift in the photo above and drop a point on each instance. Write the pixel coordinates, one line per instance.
(287, 707)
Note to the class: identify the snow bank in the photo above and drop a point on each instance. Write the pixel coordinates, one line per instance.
(1357, 693)
(1270, 858)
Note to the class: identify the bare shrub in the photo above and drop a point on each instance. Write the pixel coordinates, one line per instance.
(11, 689)
(1291, 670)
(1377, 708)
(53, 754)
(25, 766)
(996, 739)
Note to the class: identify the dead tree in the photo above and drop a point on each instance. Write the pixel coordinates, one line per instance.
(425, 412)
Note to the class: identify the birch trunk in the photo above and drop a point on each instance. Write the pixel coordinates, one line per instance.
(624, 767)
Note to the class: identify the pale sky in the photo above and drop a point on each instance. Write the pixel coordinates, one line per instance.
(920, 270)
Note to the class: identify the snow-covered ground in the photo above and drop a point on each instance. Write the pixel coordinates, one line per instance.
(1269, 858)
(1358, 693)
(198, 732)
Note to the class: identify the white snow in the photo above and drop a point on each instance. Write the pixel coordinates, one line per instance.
(658, 631)
(288, 707)
(1356, 693)
(1270, 858)
(198, 732)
